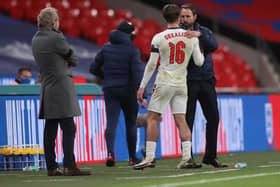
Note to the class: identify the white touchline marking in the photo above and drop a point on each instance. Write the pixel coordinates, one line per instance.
(222, 179)
(218, 171)
(30, 175)
(124, 167)
(269, 166)
(274, 162)
(155, 177)
(88, 168)
(8, 174)
(175, 176)
(50, 180)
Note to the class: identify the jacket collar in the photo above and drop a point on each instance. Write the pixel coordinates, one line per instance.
(196, 26)
(119, 37)
(41, 28)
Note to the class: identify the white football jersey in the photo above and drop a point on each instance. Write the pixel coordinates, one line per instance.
(175, 50)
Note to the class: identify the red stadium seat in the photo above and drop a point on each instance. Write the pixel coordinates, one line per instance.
(99, 5)
(2, 3)
(79, 80)
(98, 31)
(71, 13)
(93, 20)
(136, 22)
(9, 5)
(124, 14)
(102, 39)
(32, 15)
(17, 12)
(144, 44)
(71, 27)
(80, 4)
(231, 70)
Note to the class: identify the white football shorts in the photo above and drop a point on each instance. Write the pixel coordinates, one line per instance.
(163, 95)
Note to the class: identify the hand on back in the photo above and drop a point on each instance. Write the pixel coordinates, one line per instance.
(191, 34)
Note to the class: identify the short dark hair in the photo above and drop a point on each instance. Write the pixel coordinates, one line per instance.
(189, 6)
(126, 27)
(22, 69)
(171, 12)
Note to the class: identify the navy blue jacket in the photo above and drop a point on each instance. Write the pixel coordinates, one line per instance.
(119, 62)
(209, 44)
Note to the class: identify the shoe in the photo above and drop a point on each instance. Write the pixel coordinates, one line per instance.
(214, 162)
(110, 161)
(134, 161)
(188, 164)
(55, 172)
(144, 164)
(74, 171)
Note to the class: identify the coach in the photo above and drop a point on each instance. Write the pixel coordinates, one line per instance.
(201, 85)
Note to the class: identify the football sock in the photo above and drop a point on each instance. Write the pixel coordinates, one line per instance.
(150, 150)
(186, 150)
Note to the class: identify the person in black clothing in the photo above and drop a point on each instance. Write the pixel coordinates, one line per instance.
(201, 85)
(120, 65)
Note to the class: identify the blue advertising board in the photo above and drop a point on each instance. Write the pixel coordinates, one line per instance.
(246, 124)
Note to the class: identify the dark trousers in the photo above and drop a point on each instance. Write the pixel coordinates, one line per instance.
(117, 99)
(68, 128)
(204, 91)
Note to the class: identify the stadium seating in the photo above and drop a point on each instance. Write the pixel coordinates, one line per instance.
(93, 20)
(232, 71)
(258, 17)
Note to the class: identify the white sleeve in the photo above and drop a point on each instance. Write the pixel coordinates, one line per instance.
(149, 69)
(198, 57)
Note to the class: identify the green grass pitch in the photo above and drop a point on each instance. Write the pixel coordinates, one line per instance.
(263, 170)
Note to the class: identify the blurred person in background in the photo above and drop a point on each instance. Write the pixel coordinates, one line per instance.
(119, 65)
(201, 85)
(24, 76)
(58, 98)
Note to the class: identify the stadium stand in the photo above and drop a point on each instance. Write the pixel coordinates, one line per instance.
(93, 20)
(254, 16)
(15, 50)
(232, 71)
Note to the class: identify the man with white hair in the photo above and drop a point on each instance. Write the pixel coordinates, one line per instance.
(58, 98)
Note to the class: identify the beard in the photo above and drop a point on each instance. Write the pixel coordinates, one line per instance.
(188, 26)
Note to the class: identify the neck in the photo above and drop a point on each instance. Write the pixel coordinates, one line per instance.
(172, 25)
(44, 27)
(188, 27)
(192, 27)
